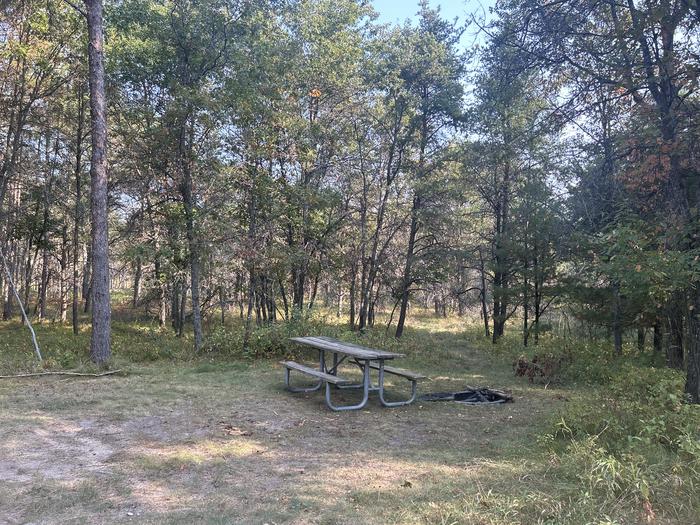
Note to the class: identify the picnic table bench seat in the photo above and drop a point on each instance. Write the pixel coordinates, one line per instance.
(408, 374)
(328, 378)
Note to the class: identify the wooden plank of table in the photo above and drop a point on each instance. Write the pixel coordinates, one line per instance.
(359, 347)
(349, 349)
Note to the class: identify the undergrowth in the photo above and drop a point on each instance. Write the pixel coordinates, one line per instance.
(627, 440)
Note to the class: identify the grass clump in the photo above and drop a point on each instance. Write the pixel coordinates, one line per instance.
(634, 444)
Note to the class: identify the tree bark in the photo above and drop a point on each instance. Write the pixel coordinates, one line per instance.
(484, 307)
(100, 350)
(641, 337)
(692, 382)
(186, 189)
(63, 303)
(137, 282)
(406, 280)
(658, 338)
(162, 306)
(78, 210)
(617, 319)
(674, 352)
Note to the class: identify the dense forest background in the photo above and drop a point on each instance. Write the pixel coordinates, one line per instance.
(538, 171)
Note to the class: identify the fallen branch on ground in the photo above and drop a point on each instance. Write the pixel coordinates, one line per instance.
(36, 374)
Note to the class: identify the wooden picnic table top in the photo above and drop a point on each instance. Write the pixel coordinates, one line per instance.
(349, 349)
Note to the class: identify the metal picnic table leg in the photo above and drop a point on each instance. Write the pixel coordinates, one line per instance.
(365, 393)
(386, 403)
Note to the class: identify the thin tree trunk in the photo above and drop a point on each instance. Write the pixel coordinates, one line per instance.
(44, 282)
(249, 314)
(162, 307)
(484, 307)
(353, 286)
(406, 280)
(176, 288)
(617, 319)
(182, 308)
(188, 202)
(692, 382)
(658, 338)
(538, 295)
(285, 302)
(63, 303)
(78, 210)
(222, 304)
(137, 282)
(674, 352)
(252, 233)
(87, 279)
(641, 337)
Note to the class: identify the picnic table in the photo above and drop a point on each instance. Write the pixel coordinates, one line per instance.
(367, 359)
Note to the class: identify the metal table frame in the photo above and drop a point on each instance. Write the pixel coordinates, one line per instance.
(354, 354)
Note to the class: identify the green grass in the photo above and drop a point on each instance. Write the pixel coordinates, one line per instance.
(215, 438)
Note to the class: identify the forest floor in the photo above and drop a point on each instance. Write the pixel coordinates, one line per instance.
(222, 442)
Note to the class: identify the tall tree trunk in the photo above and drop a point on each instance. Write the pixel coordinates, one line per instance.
(692, 382)
(484, 307)
(539, 278)
(78, 210)
(674, 352)
(87, 278)
(252, 234)
(407, 280)
(182, 308)
(9, 298)
(353, 286)
(314, 291)
(249, 312)
(100, 351)
(63, 303)
(658, 338)
(617, 318)
(222, 304)
(501, 257)
(44, 281)
(285, 301)
(137, 282)
(176, 288)
(162, 306)
(192, 241)
(339, 305)
(641, 337)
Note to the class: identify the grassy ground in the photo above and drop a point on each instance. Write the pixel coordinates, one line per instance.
(213, 440)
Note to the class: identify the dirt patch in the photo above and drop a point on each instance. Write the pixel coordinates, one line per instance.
(53, 449)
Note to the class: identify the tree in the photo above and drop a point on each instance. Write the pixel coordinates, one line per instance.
(432, 76)
(100, 350)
